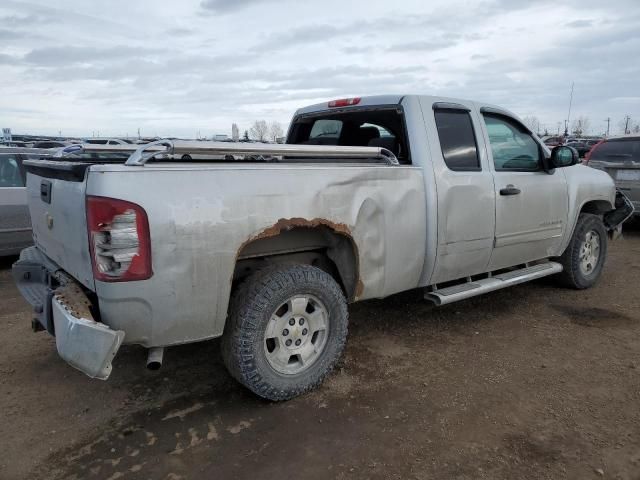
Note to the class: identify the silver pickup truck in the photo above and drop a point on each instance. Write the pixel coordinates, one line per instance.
(369, 197)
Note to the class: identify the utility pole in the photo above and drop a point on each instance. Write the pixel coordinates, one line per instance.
(566, 125)
(138, 133)
(608, 123)
(626, 124)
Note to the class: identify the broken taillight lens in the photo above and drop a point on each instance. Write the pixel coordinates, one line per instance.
(119, 240)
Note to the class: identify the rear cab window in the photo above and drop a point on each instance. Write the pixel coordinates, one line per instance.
(617, 150)
(372, 126)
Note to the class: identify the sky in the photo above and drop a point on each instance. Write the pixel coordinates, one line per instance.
(189, 67)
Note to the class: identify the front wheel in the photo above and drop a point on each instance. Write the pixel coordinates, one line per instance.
(286, 330)
(585, 255)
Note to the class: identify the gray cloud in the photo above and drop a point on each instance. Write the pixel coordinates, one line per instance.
(227, 6)
(580, 23)
(170, 69)
(420, 45)
(70, 55)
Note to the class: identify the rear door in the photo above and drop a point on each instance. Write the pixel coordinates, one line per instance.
(15, 226)
(531, 204)
(620, 158)
(466, 200)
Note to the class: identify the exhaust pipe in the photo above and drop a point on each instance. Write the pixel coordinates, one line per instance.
(154, 358)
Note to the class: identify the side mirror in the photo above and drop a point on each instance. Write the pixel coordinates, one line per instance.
(563, 156)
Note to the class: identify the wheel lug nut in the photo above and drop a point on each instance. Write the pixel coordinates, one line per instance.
(285, 332)
(292, 322)
(288, 343)
(302, 321)
(298, 342)
(304, 331)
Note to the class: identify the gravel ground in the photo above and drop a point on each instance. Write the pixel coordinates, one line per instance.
(530, 382)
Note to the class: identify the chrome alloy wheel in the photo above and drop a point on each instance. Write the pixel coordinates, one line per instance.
(296, 334)
(589, 252)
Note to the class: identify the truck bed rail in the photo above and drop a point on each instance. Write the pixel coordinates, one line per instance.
(140, 154)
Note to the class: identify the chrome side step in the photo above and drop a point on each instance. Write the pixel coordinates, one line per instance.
(462, 291)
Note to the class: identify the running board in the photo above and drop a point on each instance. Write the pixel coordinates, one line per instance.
(462, 291)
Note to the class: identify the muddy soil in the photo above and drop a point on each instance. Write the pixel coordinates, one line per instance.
(532, 382)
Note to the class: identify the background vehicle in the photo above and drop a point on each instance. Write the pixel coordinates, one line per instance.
(554, 141)
(581, 147)
(15, 225)
(620, 158)
(107, 141)
(370, 197)
(50, 144)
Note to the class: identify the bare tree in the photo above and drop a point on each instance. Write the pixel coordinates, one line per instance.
(235, 132)
(581, 125)
(275, 131)
(532, 123)
(259, 131)
(626, 125)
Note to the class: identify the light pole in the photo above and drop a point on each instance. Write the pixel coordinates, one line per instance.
(566, 123)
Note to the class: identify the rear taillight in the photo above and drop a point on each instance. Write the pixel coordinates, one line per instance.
(587, 155)
(344, 102)
(119, 240)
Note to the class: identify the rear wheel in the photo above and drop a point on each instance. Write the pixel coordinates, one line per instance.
(186, 157)
(584, 258)
(286, 330)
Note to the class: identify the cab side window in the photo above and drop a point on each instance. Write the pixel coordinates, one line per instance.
(514, 149)
(10, 174)
(457, 140)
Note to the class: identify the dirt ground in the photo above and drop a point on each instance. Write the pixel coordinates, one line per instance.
(531, 382)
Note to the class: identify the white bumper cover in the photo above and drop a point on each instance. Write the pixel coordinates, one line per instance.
(85, 344)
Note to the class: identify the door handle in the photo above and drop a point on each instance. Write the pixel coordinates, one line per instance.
(509, 190)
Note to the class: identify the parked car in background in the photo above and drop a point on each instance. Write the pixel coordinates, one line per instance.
(107, 141)
(15, 143)
(581, 147)
(620, 158)
(553, 141)
(15, 225)
(50, 144)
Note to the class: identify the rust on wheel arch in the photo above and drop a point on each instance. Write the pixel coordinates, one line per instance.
(285, 224)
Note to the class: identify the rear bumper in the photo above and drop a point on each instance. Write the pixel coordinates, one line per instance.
(63, 309)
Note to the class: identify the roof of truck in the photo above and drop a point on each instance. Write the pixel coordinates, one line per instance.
(396, 99)
(364, 101)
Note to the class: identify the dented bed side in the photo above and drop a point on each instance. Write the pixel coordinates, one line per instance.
(215, 210)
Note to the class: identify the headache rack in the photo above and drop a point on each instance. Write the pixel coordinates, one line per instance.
(140, 154)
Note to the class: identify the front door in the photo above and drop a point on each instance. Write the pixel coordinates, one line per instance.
(531, 204)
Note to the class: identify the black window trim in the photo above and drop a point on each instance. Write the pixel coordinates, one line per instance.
(501, 114)
(450, 106)
(457, 108)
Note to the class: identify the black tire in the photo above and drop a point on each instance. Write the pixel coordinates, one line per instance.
(186, 157)
(254, 303)
(573, 275)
